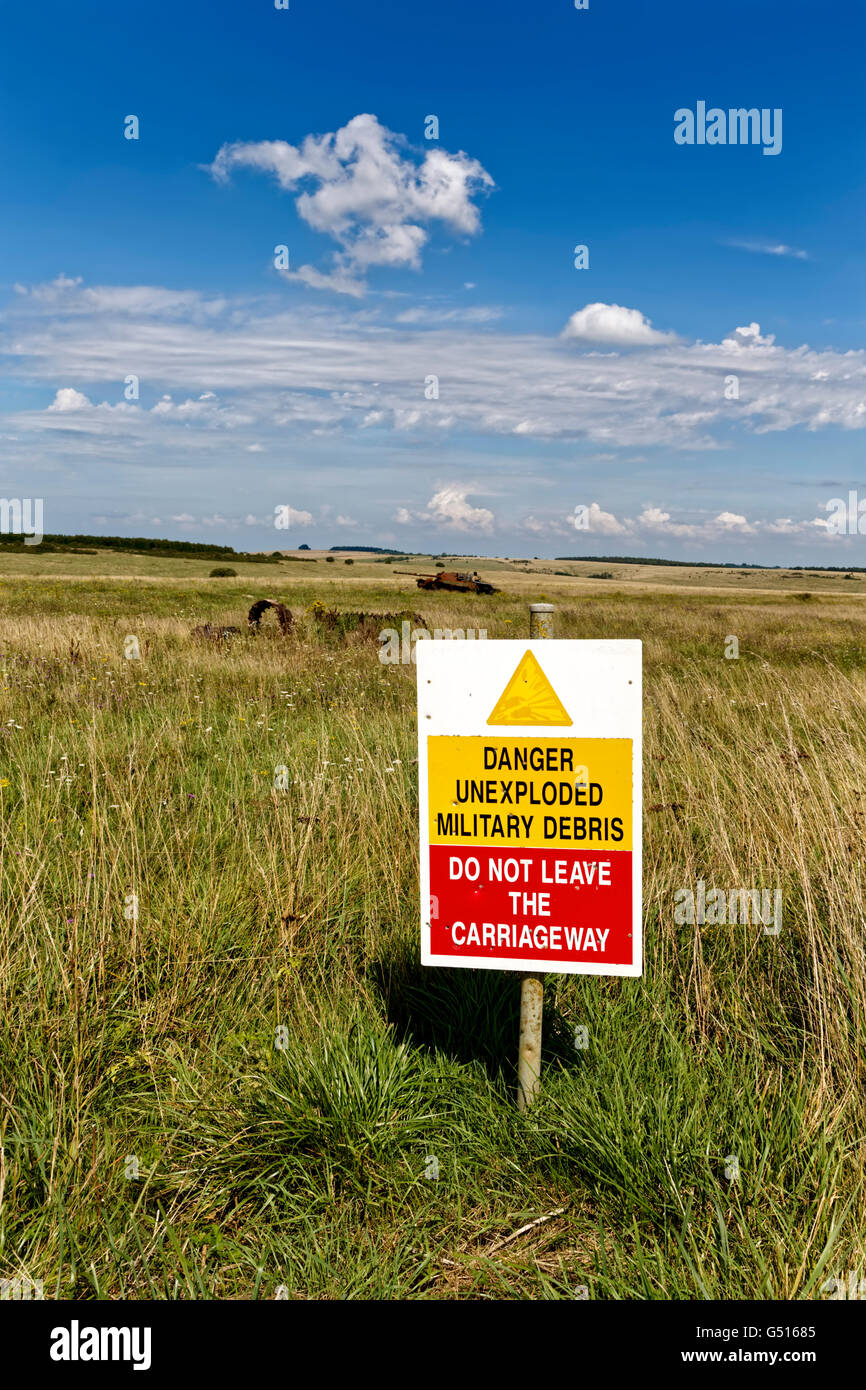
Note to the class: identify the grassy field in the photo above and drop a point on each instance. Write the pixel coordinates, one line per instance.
(168, 917)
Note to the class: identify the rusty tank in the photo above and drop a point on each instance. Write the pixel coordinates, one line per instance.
(455, 580)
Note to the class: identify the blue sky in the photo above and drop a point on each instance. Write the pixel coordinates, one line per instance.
(607, 389)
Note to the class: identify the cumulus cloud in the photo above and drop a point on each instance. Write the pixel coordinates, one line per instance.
(653, 521)
(614, 326)
(67, 398)
(449, 507)
(600, 522)
(205, 409)
(748, 337)
(363, 187)
(292, 517)
(731, 521)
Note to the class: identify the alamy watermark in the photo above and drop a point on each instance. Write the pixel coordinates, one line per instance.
(77, 1343)
(737, 126)
(719, 906)
(399, 647)
(849, 1286)
(847, 518)
(22, 1288)
(22, 516)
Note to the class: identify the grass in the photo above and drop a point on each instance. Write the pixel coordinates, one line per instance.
(258, 1041)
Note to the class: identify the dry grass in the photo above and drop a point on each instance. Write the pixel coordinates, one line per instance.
(153, 1036)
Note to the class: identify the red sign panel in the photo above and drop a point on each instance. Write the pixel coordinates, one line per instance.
(551, 904)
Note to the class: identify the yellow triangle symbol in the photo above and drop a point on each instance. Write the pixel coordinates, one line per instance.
(529, 698)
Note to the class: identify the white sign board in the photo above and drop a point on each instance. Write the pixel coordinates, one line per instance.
(529, 757)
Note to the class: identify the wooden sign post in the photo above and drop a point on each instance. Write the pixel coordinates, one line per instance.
(532, 986)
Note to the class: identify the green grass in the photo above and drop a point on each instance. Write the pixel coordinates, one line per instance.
(302, 1167)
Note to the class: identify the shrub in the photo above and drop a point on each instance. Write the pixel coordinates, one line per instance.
(223, 572)
(329, 559)
(348, 562)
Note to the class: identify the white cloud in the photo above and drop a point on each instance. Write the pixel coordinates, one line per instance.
(346, 520)
(748, 337)
(422, 314)
(364, 188)
(603, 523)
(68, 398)
(448, 507)
(730, 521)
(322, 371)
(654, 517)
(317, 280)
(657, 523)
(615, 326)
(770, 248)
(50, 292)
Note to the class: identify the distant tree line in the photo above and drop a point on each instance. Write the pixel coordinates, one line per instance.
(716, 564)
(139, 545)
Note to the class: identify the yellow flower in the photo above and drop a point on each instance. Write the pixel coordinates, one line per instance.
(4, 781)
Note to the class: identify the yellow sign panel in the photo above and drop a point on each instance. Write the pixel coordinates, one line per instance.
(531, 792)
(529, 698)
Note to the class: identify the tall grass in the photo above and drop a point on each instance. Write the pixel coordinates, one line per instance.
(147, 1041)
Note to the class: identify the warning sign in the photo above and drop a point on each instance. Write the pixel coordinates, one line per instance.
(529, 698)
(530, 762)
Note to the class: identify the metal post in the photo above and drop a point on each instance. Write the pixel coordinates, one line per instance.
(532, 986)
